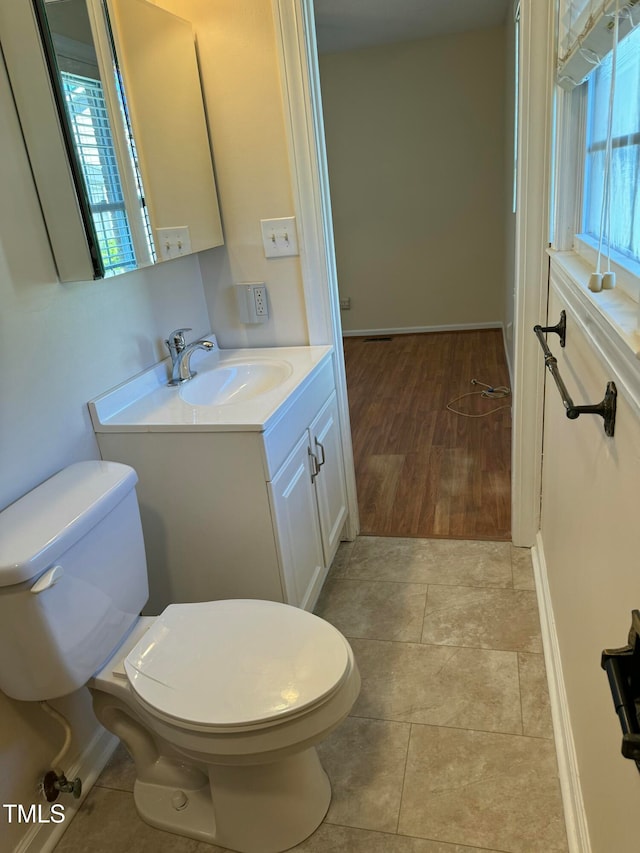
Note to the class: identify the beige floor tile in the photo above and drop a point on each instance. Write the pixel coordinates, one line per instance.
(341, 559)
(522, 568)
(119, 771)
(379, 611)
(365, 760)
(486, 618)
(446, 702)
(536, 712)
(108, 823)
(441, 561)
(344, 839)
(439, 685)
(483, 789)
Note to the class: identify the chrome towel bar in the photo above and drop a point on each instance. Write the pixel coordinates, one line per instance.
(606, 408)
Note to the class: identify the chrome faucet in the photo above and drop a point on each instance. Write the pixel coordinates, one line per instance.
(181, 353)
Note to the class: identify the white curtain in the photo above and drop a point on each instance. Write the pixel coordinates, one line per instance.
(623, 233)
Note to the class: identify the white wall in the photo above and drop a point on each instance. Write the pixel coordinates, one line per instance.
(241, 84)
(416, 149)
(61, 345)
(591, 543)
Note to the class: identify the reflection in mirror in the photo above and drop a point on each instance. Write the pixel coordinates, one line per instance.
(125, 78)
(97, 134)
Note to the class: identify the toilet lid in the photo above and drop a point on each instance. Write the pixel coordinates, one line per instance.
(236, 662)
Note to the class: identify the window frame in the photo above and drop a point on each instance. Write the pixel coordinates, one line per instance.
(568, 176)
(611, 318)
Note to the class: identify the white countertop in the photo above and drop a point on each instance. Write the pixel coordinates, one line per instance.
(147, 404)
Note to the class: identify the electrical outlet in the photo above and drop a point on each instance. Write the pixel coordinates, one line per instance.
(345, 303)
(252, 301)
(260, 300)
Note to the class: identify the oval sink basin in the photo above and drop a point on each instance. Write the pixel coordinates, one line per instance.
(234, 382)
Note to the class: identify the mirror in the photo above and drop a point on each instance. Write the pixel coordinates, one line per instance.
(123, 80)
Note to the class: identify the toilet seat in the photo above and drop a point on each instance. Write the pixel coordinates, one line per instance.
(234, 665)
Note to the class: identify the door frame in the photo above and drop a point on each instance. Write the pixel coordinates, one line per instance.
(304, 127)
(533, 226)
(297, 50)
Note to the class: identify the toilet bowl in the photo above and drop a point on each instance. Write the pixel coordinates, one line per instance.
(220, 704)
(243, 690)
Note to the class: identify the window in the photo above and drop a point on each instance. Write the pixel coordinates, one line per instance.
(622, 231)
(87, 111)
(597, 151)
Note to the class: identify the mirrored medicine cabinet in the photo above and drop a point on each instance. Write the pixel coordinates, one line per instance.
(111, 107)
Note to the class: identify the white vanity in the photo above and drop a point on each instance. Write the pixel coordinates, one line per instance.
(242, 488)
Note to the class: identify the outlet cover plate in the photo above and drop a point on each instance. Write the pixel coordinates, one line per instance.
(252, 301)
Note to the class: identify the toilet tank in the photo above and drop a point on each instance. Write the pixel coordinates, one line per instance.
(73, 578)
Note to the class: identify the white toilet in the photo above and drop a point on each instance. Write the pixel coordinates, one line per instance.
(219, 703)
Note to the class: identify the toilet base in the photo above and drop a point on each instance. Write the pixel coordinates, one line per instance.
(285, 800)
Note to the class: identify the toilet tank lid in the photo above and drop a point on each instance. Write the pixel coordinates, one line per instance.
(39, 527)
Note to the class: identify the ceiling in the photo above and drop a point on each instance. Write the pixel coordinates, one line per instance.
(350, 24)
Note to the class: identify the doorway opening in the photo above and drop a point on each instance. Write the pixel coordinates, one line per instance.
(419, 116)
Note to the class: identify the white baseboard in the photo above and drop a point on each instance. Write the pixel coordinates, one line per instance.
(575, 816)
(414, 330)
(43, 837)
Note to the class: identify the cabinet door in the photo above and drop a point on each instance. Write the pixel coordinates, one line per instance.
(293, 503)
(330, 483)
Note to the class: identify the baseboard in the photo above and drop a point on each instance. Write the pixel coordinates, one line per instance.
(416, 330)
(575, 816)
(43, 837)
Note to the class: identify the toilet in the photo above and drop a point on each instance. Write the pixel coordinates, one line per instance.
(220, 703)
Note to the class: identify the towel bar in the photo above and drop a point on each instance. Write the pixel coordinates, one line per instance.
(606, 408)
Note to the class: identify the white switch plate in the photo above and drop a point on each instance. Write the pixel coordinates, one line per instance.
(279, 237)
(173, 242)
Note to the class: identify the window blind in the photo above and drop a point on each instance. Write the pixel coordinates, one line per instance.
(585, 35)
(87, 111)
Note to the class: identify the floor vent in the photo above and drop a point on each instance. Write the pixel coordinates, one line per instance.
(378, 338)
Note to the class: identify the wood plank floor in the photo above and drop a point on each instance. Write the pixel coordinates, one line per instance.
(422, 470)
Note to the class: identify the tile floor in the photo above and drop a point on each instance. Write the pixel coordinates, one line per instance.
(449, 748)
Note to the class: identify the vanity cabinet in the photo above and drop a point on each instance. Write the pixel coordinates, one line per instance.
(308, 497)
(248, 512)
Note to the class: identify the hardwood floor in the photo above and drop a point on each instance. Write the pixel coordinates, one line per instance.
(422, 470)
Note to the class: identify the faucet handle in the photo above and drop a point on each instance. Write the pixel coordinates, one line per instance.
(175, 341)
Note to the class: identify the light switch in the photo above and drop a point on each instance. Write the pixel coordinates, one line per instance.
(173, 242)
(279, 237)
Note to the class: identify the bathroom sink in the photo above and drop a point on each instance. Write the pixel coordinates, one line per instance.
(235, 382)
(243, 389)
